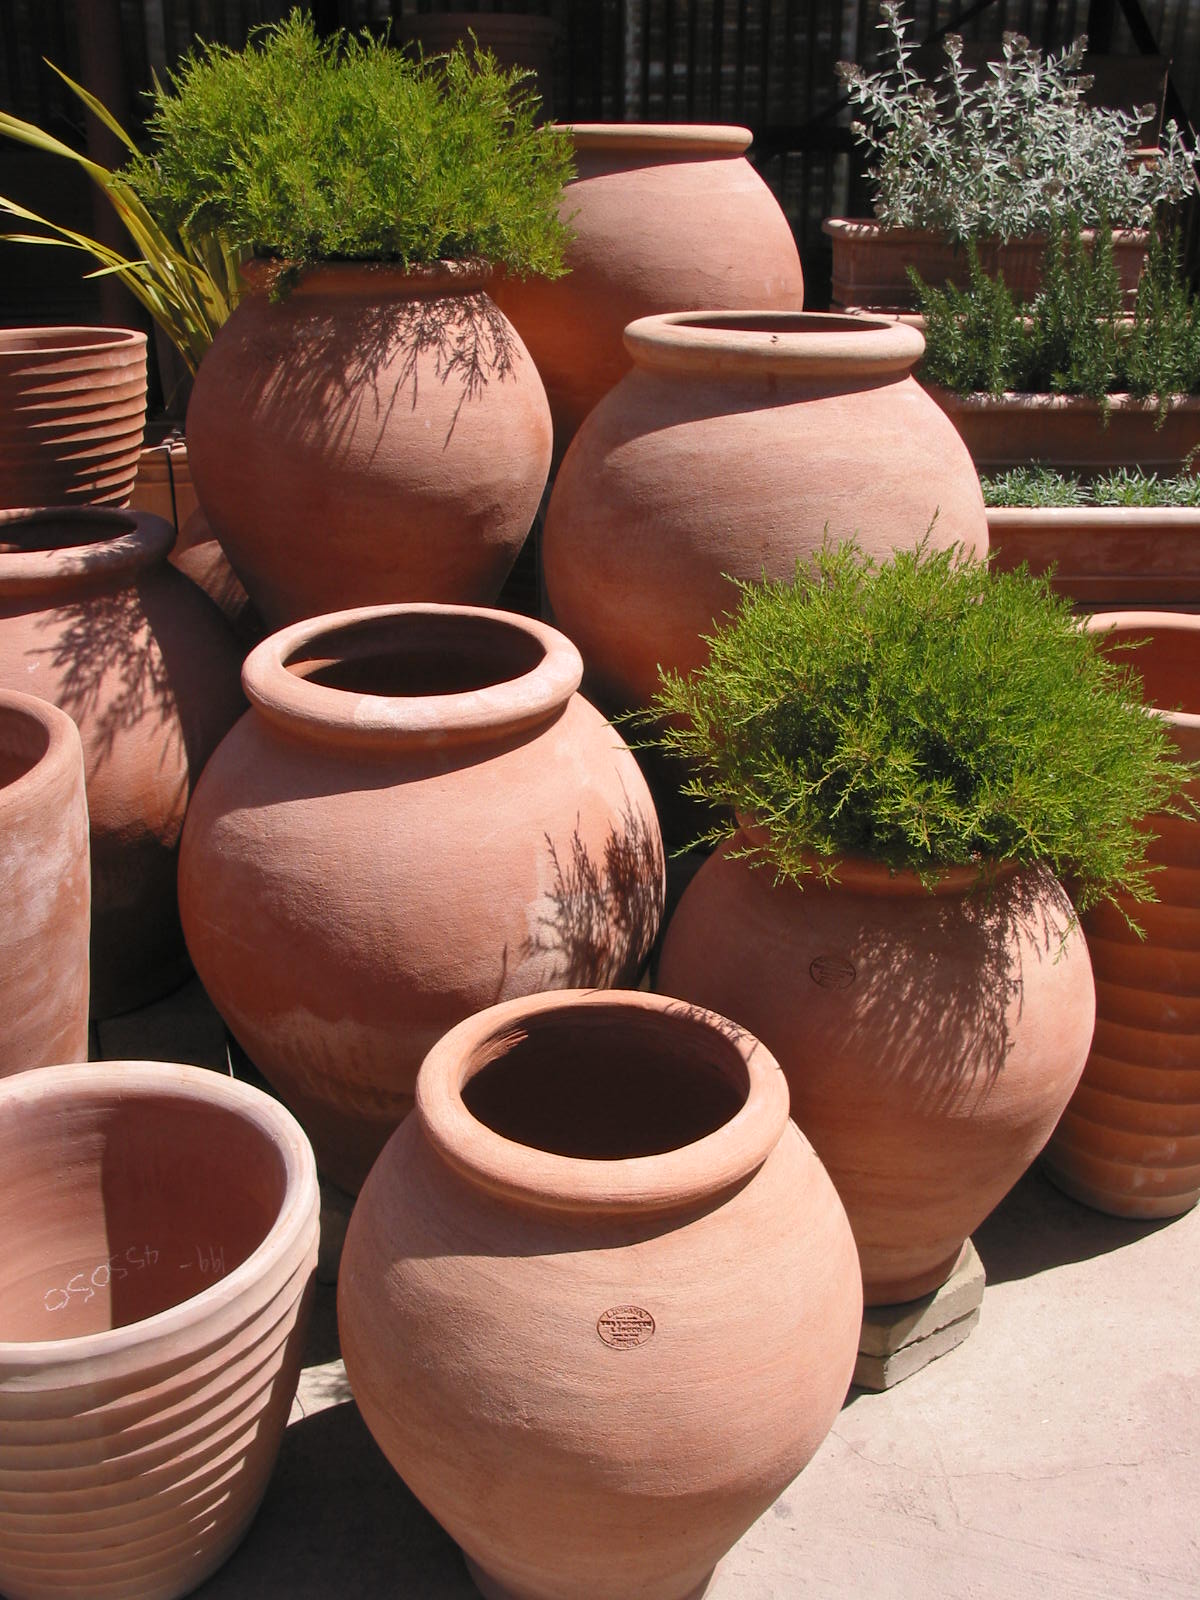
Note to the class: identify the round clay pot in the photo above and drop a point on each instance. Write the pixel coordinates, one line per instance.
(418, 816)
(198, 554)
(599, 1301)
(735, 444)
(373, 436)
(1129, 1142)
(161, 1238)
(94, 619)
(666, 217)
(45, 887)
(930, 1038)
(72, 415)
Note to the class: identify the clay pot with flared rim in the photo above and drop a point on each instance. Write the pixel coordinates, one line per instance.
(930, 1038)
(418, 816)
(72, 415)
(374, 436)
(666, 217)
(734, 445)
(599, 1301)
(161, 1240)
(1129, 1141)
(94, 619)
(45, 887)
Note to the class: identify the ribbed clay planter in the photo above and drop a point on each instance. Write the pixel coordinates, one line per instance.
(161, 1242)
(72, 415)
(666, 217)
(1129, 1142)
(419, 816)
(1105, 555)
(737, 440)
(45, 887)
(94, 619)
(599, 1302)
(1068, 431)
(930, 1039)
(374, 436)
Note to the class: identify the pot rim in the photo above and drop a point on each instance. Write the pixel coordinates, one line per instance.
(70, 339)
(712, 138)
(864, 875)
(1029, 400)
(140, 539)
(802, 345)
(1132, 621)
(873, 229)
(691, 1174)
(102, 1081)
(368, 278)
(61, 761)
(384, 721)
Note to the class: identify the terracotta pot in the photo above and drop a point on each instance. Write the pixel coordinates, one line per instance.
(599, 1301)
(374, 436)
(1129, 1142)
(95, 620)
(72, 415)
(728, 451)
(161, 1226)
(930, 1039)
(200, 556)
(45, 886)
(418, 817)
(871, 262)
(164, 481)
(662, 213)
(1068, 431)
(1104, 555)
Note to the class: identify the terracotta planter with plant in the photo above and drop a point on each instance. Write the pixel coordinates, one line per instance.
(161, 1225)
(916, 749)
(599, 1302)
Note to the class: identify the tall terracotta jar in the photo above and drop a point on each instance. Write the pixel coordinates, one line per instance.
(160, 1227)
(599, 1302)
(666, 217)
(930, 1039)
(1129, 1142)
(372, 436)
(418, 817)
(734, 445)
(72, 415)
(45, 887)
(94, 619)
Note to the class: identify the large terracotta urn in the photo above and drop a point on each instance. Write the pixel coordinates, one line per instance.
(72, 415)
(371, 435)
(666, 217)
(1129, 1141)
(160, 1227)
(599, 1301)
(95, 619)
(930, 1037)
(45, 887)
(419, 816)
(734, 446)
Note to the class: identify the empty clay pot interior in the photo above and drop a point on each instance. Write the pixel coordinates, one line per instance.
(779, 323)
(607, 1084)
(25, 533)
(24, 742)
(113, 1209)
(417, 655)
(1167, 660)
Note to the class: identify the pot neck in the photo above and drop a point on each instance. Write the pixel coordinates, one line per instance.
(815, 347)
(62, 550)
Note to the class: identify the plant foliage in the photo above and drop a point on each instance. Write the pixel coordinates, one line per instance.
(1038, 486)
(926, 712)
(1003, 155)
(308, 149)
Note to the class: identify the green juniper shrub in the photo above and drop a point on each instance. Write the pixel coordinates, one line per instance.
(1041, 487)
(926, 712)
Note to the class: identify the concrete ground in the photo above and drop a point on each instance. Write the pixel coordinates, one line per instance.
(1054, 1455)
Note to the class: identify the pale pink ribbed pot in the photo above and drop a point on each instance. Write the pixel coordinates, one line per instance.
(161, 1230)
(45, 886)
(599, 1302)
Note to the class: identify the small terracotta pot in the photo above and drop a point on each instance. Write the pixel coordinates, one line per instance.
(735, 443)
(94, 619)
(164, 481)
(418, 816)
(45, 886)
(161, 1239)
(373, 436)
(1129, 1142)
(72, 415)
(599, 1302)
(1104, 555)
(1068, 431)
(930, 1039)
(661, 214)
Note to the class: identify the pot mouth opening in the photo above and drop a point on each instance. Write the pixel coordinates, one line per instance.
(61, 528)
(418, 656)
(24, 742)
(1166, 657)
(62, 341)
(801, 345)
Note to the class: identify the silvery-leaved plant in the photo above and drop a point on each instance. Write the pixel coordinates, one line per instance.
(1003, 153)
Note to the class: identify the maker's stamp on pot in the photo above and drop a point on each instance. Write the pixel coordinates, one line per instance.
(832, 972)
(625, 1327)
